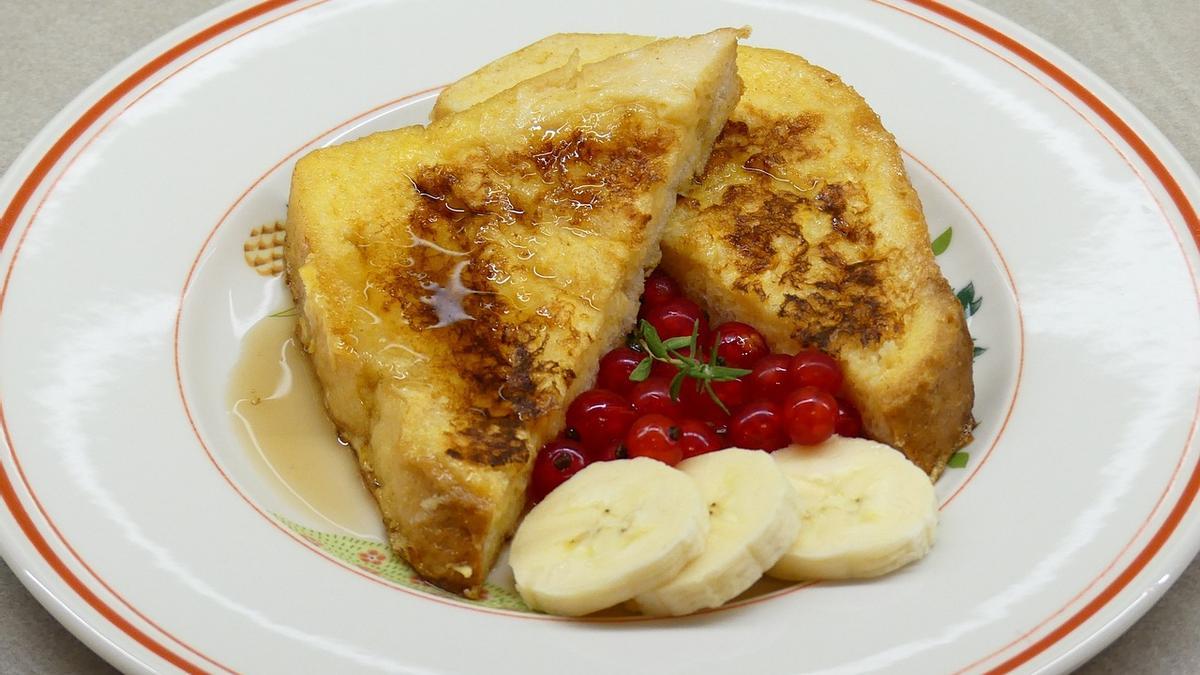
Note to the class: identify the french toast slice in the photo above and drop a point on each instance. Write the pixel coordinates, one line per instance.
(457, 283)
(804, 224)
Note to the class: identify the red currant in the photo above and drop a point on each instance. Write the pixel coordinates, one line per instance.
(656, 437)
(721, 429)
(698, 403)
(739, 345)
(599, 416)
(758, 426)
(663, 369)
(697, 438)
(849, 422)
(558, 460)
(809, 414)
(660, 289)
(613, 450)
(615, 368)
(771, 377)
(815, 368)
(676, 318)
(654, 396)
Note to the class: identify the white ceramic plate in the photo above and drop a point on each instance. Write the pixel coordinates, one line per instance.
(139, 515)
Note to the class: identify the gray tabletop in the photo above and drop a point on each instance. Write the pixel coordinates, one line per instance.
(1147, 49)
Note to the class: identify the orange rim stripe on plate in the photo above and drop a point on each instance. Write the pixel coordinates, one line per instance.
(85, 122)
(8, 221)
(1188, 211)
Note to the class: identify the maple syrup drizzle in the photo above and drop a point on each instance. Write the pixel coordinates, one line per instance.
(275, 402)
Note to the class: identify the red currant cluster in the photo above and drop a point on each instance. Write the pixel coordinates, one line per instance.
(673, 412)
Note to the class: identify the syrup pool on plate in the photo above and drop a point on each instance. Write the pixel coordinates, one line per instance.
(275, 402)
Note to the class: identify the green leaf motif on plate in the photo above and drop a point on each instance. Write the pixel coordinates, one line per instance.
(959, 460)
(966, 297)
(285, 313)
(977, 351)
(942, 242)
(377, 558)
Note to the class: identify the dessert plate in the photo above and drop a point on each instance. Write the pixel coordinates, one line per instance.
(173, 494)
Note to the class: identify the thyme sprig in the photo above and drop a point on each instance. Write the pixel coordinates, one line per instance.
(680, 352)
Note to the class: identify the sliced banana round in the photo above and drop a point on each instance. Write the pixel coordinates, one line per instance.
(865, 510)
(614, 530)
(753, 518)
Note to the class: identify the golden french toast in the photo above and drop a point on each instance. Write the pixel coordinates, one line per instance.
(804, 225)
(457, 283)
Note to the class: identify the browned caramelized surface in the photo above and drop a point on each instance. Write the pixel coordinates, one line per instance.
(471, 225)
(458, 283)
(811, 232)
(804, 224)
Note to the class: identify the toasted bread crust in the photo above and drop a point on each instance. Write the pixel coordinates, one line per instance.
(805, 225)
(458, 283)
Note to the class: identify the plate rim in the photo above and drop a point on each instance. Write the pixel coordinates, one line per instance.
(1113, 109)
(1170, 171)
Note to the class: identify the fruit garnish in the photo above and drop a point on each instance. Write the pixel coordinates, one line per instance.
(771, 377)
(680, 352)
(653, 395)
(656, 437)
(558, 460)
(613, 450)
(849, 422)
(675, 318)
(815, 368)
(615, 368)
(660, 289)
(699, 401)
(866, 510)
(758, 426)
(697, 438)
(809, 415)
(615, 530)
(739, 345)
(753, 520)
(600, 416)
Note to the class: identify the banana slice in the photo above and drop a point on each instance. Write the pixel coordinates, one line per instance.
(614, 530)
(754, 517)
(865, 510)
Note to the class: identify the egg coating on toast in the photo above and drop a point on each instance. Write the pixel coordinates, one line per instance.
(457, 283)
(804, 225)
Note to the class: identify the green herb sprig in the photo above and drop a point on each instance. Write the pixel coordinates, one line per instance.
(679, 352)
